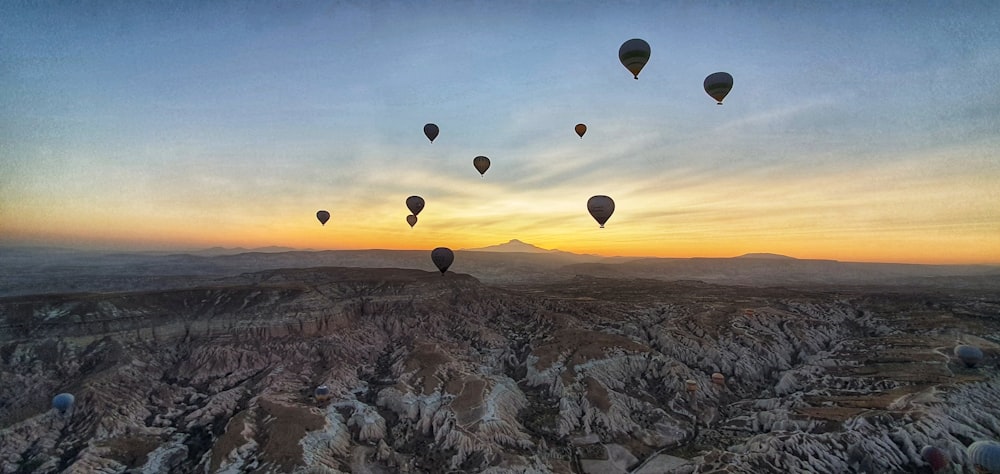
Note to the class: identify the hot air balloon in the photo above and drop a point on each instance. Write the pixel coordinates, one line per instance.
(323, 216)
(412, 220)
(934, 456)
(581, 129)
(634, 54)
(442, 258)
(322, 393)
(718, 379)
(969, 355)
(718, 84)
(482, 164)
(431, 131)
(985, 456)
(63, 402)
(415, 204)
(691, 385)
(601, 207)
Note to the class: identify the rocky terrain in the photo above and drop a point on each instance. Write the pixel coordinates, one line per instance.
(430, 373)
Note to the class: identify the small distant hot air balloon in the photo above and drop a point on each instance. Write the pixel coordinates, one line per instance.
(431, 131)
(323, 216)
(412, 220)
(322, 393)
(601, 207)
(691, 385)
(442, 258)
(482, 164)
(415, 204)
(581, 129)
(936, 457)
(718, 85)
(718, 379)
(634, 54)
(63, 402)
(969, 355)
(985, 456)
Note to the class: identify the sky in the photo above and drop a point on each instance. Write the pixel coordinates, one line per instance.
(855, 131)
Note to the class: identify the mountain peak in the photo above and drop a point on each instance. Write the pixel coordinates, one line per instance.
(513, 245)
(769, 256)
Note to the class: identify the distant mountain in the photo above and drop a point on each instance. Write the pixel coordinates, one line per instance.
(515, 245)
(770, 256)
(217, 251)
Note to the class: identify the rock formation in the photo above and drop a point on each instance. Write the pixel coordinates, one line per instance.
(431, 373)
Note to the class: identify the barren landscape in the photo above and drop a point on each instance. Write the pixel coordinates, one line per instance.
(518, 363)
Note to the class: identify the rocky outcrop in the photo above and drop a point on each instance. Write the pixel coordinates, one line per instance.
(430, 373)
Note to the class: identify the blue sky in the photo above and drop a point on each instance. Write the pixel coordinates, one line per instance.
(854, 131)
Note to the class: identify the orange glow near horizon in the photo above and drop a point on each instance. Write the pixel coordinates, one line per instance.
(931, 213)
(617, 239)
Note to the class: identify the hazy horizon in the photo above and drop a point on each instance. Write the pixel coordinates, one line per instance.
(279, 249)
(854, 132)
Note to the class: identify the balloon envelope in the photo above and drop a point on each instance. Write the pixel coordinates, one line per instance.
(581, 129)
(601, 207)
(481, 163)
(412, 220)
(934, 456)
(63, 401)
(442, 258)
(985, 455)
(969, 355)
(431, 131)
(718, 85)
(415, 204)
(634, 54)
(323, 216)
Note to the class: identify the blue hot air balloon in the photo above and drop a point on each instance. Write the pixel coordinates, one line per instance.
(969, 355)
(984, 456)
(63, 402)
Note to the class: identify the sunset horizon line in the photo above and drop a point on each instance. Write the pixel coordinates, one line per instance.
(275, 248)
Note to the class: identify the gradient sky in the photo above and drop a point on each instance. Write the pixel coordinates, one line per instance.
(856, 131)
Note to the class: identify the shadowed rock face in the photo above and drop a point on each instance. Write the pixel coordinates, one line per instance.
(430, 373)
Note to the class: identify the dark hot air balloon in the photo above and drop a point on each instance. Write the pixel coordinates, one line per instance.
(442, 258)
(601, 207)
(431, 131)
(415, 204)
(412, 220)
(634, 54)
(934, 456)
(581, 129)
(482, 164)
(323, 216)
(718, 85)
